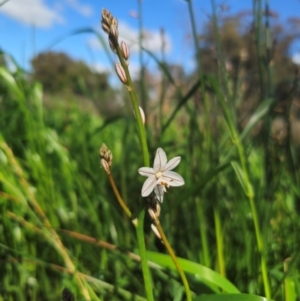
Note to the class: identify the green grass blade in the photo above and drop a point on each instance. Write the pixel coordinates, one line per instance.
(260, 112)
(230, 297)
(205, 274)
(11, 84)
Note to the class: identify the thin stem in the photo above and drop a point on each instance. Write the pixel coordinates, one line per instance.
(134, 101)
(257, 12)
(144, 146)
(173, 256)
(219, 238)
(118, 196)
(203, 233)
(163, 89)
(144, 261)
(141, 59)
(139, 225)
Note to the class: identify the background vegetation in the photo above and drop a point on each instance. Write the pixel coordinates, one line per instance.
(234, 122)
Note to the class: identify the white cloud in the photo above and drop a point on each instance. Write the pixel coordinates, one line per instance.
(94, 43)
(152, 39)
(31, 12)
(101, 68)
(134, 69)
(296, 58)
(83, 9)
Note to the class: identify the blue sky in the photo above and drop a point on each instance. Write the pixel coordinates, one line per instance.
(28, 27)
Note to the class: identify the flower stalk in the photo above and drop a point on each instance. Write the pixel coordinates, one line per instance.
(106, 162)
(155, 217)
(107, 21)
(159, 177)
(118, 196)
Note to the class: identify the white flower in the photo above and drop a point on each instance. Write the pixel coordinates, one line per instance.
(160, 176)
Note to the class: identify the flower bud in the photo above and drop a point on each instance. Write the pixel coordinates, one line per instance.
(155, 231)
(142, 115)
(106, 155)
(112, 43)
(105, 166)
(110, 26)
(152, 214)
(103, 150)
(121, 73)
(135, 221)
(158, 209)
(114, 32)
(105, 27)
(125, 50)
(114, 22)
(155, 213)
(106, 20)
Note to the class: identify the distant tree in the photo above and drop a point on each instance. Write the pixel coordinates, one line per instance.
(58, 72)
(239, 51)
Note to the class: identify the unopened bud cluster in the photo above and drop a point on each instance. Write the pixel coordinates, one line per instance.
(110, 26)
(106, 158)
(155, 212)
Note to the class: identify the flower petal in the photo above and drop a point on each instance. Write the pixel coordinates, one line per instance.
(160, 160)
(148, 186)
(146, 171)
(172, 163)
(173, 178)
(159, 192)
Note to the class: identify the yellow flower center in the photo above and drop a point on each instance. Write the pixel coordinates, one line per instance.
(158, 174)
